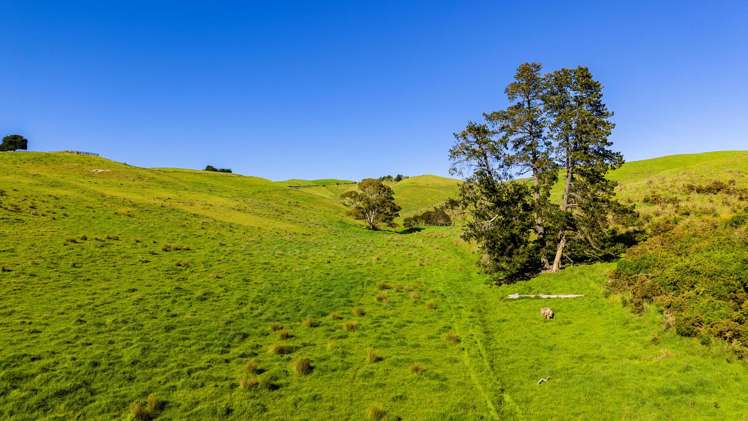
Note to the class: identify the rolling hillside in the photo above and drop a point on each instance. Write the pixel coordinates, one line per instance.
(208, 291)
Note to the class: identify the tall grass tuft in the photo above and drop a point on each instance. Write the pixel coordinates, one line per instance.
(280, 348)
(376, 413)
(373, 357)
(302, 366)
(350, 325)
(452, 337)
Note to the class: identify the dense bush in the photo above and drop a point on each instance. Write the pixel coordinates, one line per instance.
(214, 169)
(697, 273)
(436, 217)
(395, 178)
(717, 187)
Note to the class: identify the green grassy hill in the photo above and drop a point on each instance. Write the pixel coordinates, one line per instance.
(207, 290)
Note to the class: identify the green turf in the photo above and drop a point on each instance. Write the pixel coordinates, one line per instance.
(119, 281)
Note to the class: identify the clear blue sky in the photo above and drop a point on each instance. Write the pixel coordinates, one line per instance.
(352, 89)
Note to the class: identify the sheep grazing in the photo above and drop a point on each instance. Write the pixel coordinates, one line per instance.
(547, 313)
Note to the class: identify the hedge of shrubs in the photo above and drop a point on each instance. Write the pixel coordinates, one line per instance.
(697, 274)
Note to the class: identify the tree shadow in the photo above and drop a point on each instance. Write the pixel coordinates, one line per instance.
(411, 230)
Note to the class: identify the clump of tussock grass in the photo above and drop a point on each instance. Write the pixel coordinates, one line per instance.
(376, 413)
(373, 357)
(358, 311)
(252, 367)
(310, 322)
(382, 297)
(415, 296)
(249, 382)
(285, 334)
(417, 368)
(452, 337)
(431, 305)
(303, 366)
(280, 348)
(336, 315)
(384, 285)
(145, 411)
(274, 327)
(350, 325)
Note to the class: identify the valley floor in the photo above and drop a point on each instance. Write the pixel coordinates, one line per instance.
(121, 283)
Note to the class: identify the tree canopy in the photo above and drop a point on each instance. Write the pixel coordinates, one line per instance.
(555, 124)
(14, 142)
(372, 202)
(214, 169)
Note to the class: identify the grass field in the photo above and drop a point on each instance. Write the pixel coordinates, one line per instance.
(232, 297)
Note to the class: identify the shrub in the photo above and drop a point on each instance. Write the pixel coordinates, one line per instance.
(303, 366)
(436, 217)
(713, 187)
(274, 327)
(695, 273)
(687, 325)
(350, 325)
(431, 305)
(336, 315)
(382, 297)
(358, 311)
(214, 169)
(384, 285)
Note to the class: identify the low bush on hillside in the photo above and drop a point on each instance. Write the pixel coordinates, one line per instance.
(436, 217)
(214, 169)
(716, 187)
(697, 274)
(394, 178)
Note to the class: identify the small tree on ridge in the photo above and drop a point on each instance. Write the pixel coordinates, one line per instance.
(14, 142)
(373, 202)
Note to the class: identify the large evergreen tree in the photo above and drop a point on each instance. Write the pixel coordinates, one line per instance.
(499, 210)
(552, 123)
(580, 127)
(523, 130)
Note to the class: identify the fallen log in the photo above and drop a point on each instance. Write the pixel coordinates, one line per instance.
(518, 296)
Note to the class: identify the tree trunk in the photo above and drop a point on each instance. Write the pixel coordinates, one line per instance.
(539, 227)
(564, 205)
(559, 253)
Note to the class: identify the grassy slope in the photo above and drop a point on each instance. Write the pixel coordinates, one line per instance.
(90, 325)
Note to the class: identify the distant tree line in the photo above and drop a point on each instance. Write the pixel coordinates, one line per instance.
(555, 126)
(214, 169)
(14, 142)
(396, 178)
